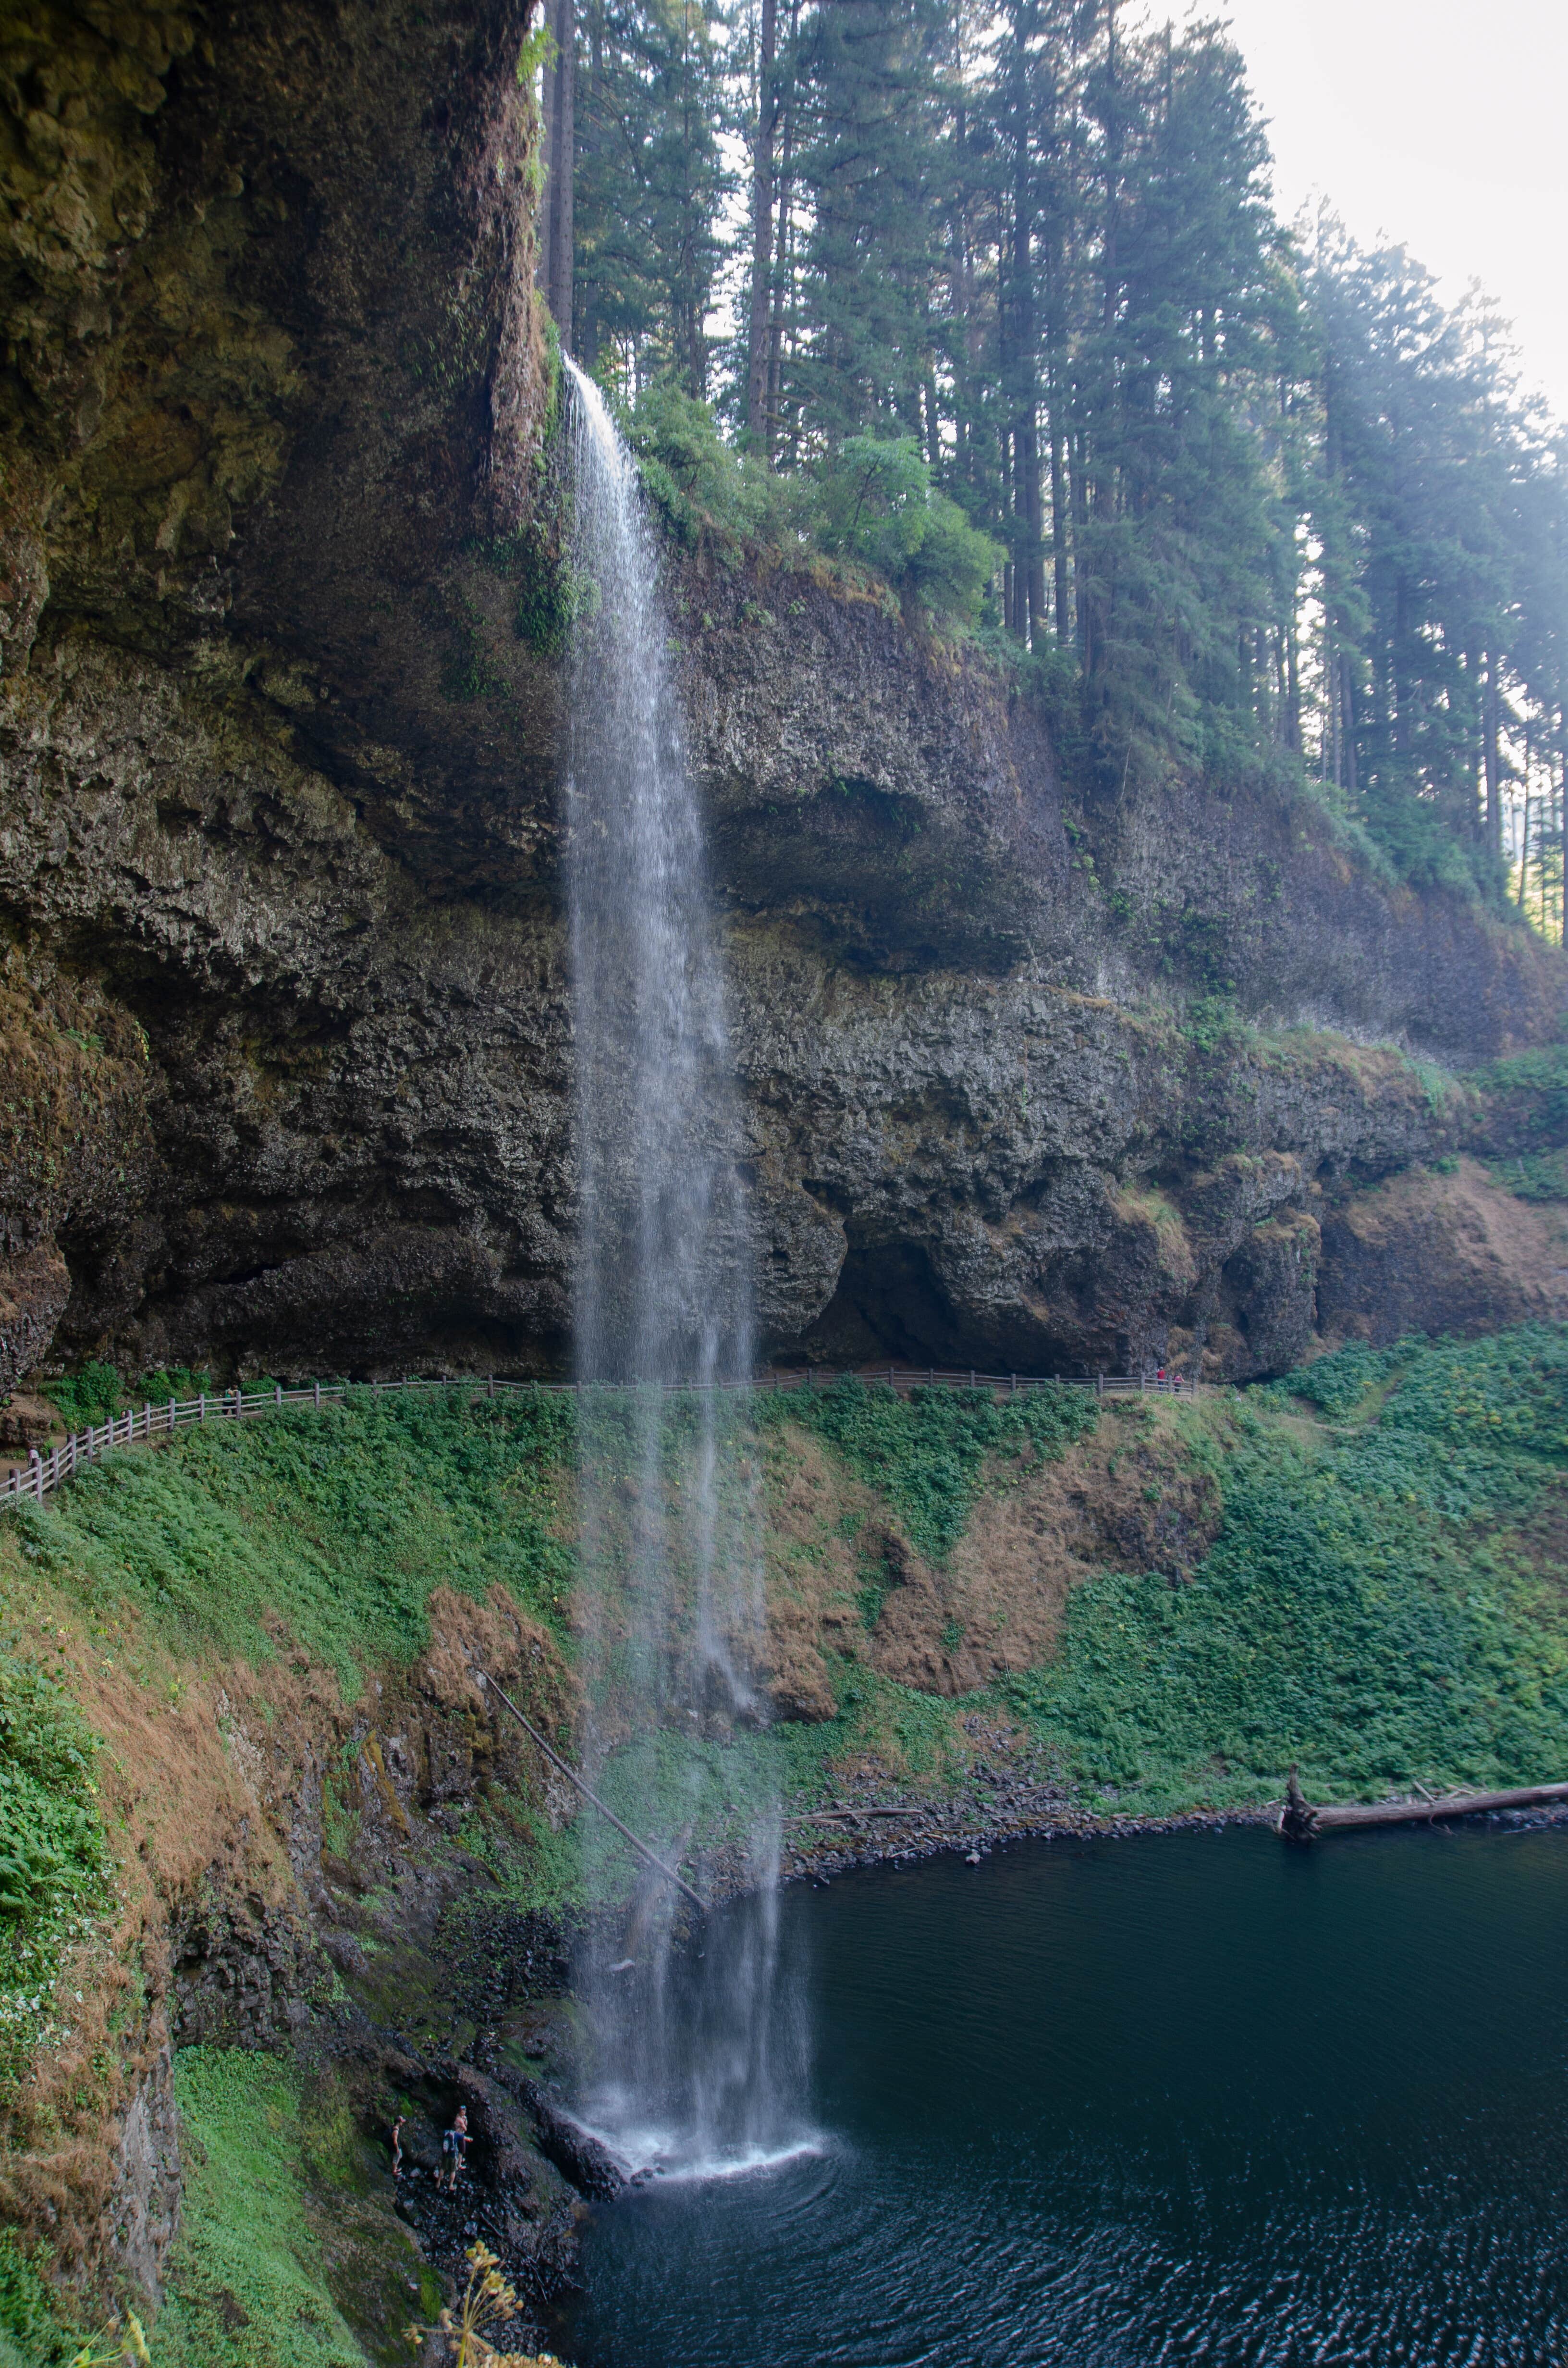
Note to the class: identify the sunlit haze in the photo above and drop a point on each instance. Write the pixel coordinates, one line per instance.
(1436, 124)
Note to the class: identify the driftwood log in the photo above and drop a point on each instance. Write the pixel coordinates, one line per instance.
(1302, 1821)
(847, 1817)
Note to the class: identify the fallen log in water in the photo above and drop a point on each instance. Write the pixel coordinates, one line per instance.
(1302, 1820)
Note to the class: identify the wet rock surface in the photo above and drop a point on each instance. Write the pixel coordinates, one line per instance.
(146, 2183)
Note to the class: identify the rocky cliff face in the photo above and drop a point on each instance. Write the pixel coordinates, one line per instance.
(284, 999)
(289, 1863)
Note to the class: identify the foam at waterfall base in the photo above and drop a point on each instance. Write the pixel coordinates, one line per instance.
(652, 2152)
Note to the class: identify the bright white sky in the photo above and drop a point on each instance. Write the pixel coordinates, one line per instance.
(1441, 125)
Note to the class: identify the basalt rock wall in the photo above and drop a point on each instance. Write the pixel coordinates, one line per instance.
(284, 995)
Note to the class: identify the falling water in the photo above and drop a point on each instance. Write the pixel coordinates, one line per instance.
(696, 2047)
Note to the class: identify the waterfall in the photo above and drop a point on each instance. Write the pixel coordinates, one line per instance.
(694, 2048)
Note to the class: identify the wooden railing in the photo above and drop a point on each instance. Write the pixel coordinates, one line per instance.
(32, 1481)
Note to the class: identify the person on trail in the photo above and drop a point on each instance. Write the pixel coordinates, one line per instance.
(397, 2146)
(454, 2145)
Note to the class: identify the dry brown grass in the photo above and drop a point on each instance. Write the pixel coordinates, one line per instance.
(814, 1509)
(1126, 1498)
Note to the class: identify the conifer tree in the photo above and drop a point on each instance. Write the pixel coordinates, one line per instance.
(1014, 312)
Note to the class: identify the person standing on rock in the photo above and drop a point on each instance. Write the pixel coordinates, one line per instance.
(454, 2145)
(397, 2148)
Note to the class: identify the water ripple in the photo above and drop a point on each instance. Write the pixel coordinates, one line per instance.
(1158, 2104)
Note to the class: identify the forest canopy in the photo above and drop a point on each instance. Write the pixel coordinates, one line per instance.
(993, 300)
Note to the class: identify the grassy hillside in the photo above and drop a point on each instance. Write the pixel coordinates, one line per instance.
(1363, 1568)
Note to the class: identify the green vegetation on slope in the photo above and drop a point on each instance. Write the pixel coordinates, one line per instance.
(1377, 1606)
(53, 1857)
(337, 1522)
(31, 2334)
(1380, 1605)
(926, 1453)
(247, 2282)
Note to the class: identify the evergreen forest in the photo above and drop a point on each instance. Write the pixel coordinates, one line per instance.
(993, 301)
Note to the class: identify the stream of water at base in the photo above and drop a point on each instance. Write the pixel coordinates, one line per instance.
(1174, 2098)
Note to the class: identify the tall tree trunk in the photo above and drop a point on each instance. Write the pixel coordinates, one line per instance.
(783, 276)
(758, 425)
(584, 295)
(1083, 603)
(1026, 434)
(559, 153)
(1101, 470)
(1492, 759)
(1058, 529)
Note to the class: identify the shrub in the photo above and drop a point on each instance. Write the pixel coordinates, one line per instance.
(89, 1396)
(1335, 1383)
(876, 503)
(702, 485)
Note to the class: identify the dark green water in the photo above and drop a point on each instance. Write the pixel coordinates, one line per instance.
(1179, 2099)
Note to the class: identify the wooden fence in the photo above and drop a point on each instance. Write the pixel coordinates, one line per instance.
(32, 1481)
